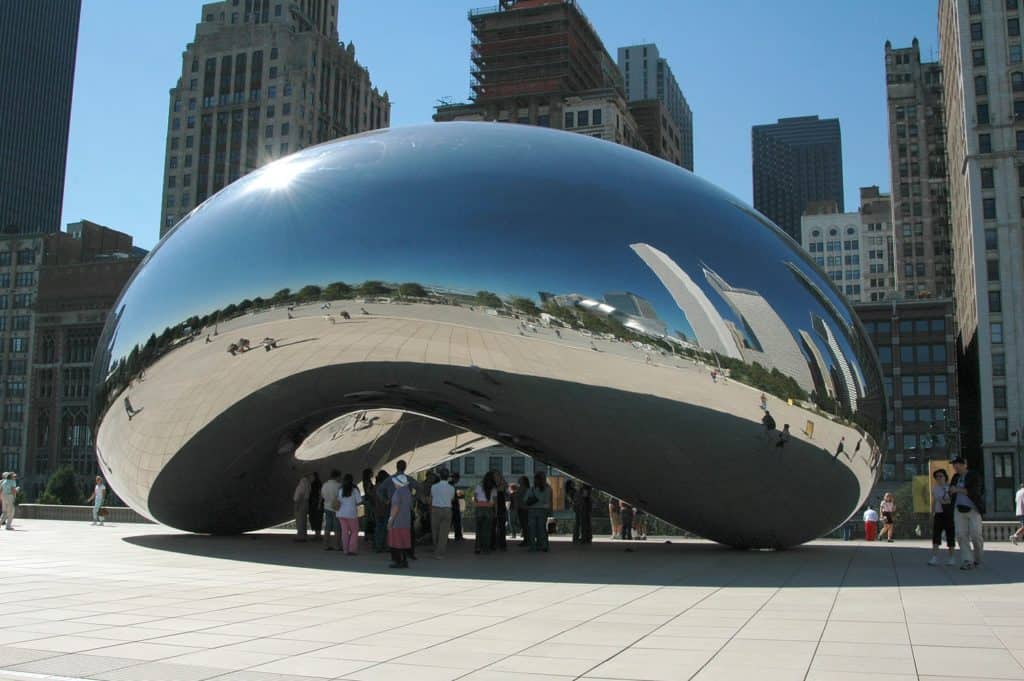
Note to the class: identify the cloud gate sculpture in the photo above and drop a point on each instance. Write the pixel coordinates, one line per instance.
(420, 293)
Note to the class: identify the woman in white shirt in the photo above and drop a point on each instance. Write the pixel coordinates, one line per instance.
(349, 499)
(942, 517)
(888, 511)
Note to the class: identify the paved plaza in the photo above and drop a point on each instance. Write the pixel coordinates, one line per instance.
(145, 603)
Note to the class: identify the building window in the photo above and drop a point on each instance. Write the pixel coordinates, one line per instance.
(268, 131)
(469, 465)
(992, 270)
(582, 118)
(272, 92)
(1003, 477)
(995, 301)
(518, 464)
(995, 332)
(999, 396)
(988, 180)
(982, 113)
(25, 279)
(985, 143)
(988, 208)
(570, 119)
(1011, 4)
(1013, 27)
(974, 7)
(1002, 431)
(285, 129)
(980, 85)
(597, 116)
(978, 56)
(998, 364)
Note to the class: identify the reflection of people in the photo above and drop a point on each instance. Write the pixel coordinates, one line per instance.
(456, 509)
(942, 517)
(842, 446)
(131, 411)
(783, 436)
(344, 315)
(970, 506)
(768, 422)
(615, 516)
(764, 402)
(316, 504)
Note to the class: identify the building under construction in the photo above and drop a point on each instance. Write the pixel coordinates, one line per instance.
(540, 62)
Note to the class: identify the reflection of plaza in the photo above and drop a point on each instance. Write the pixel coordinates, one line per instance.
(480, 359)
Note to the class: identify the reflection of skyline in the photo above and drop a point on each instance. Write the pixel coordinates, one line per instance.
(637, 312)
(774, 345)
(709, 328)
(847, 386)
(823, 383)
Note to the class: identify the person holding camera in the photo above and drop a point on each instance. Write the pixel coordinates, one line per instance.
(965, 489)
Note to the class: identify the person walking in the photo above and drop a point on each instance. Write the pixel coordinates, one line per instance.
(456, 509)
(522, 510)
(300, 500)
(484, 497)
(498, 539)
(349, 499)
(970, 507)
(316, 504)
(8, 494)
(513, 513)
(768, 421)
(329, 493)
(539, 503)
(870, 523)
(369, 519)
(615, 516)
(99, 493)
(626, 515)
(441, 495)
(783, 436)
(1018, 504)
(400, 521)
(888, 510)
(942, 517)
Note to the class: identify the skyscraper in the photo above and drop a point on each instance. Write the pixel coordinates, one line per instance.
(38, 42)
(262, 79)
(982, 58)
(796, 161)
(647, 76)
(920, 182)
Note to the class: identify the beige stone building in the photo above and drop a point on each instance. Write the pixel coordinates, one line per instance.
(920, 183)
(261, 79)
(982, 56)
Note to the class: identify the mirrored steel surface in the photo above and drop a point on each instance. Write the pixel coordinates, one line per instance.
(425, 291)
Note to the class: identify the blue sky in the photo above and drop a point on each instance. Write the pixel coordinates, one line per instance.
(739, 63)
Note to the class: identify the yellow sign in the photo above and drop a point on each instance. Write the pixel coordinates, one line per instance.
(922, 492)
(809, 430)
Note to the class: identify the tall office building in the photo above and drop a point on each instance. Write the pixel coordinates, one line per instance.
(982, 58)
(541, 62)
(920, 182)
(262, 79)
(647, 76)
(38, 42)
(796, 161)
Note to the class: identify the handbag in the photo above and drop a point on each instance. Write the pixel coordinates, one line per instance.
(963, 508)
(103, 512)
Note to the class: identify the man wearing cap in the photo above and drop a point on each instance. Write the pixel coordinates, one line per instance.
(8, 492)
(965, 489)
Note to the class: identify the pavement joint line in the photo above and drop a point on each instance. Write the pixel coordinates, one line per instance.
(34, 676)
(831, 609)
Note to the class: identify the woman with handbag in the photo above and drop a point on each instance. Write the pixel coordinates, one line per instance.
(99, 493)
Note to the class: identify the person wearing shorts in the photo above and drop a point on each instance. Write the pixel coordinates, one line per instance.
(888, 511)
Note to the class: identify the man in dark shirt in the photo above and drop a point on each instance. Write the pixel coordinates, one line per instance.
(456, 509)
(969, 502)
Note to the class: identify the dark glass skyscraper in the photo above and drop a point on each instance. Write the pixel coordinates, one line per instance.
(796, 161)
(38, 41)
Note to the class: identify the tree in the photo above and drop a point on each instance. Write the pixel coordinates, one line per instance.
(526, 306)
(243, 306)
(373, 288)
(258, 302)
(62, 488)
(309, 292)
(412, 290)
(282, 295)
(336, 290)
(488, 299)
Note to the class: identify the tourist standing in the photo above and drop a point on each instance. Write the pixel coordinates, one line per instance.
(539, 503)
(942, 517)
(441, 495)
(769, 423)
(300, 500)
(513, 512)
(99, 493)
(400, 521)
(316, 504)
(870, 523)
(584, 499)
(349, 499)
(626, 518)
(1018, 503)
(329, 493)
(640, 524)
(615, 516)
(8, 494)
(456, 509)
(888, 511)
(484, 497)
(381, 511)
(498, 539)
(369, 519)
(970, 507)
(522, 510)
